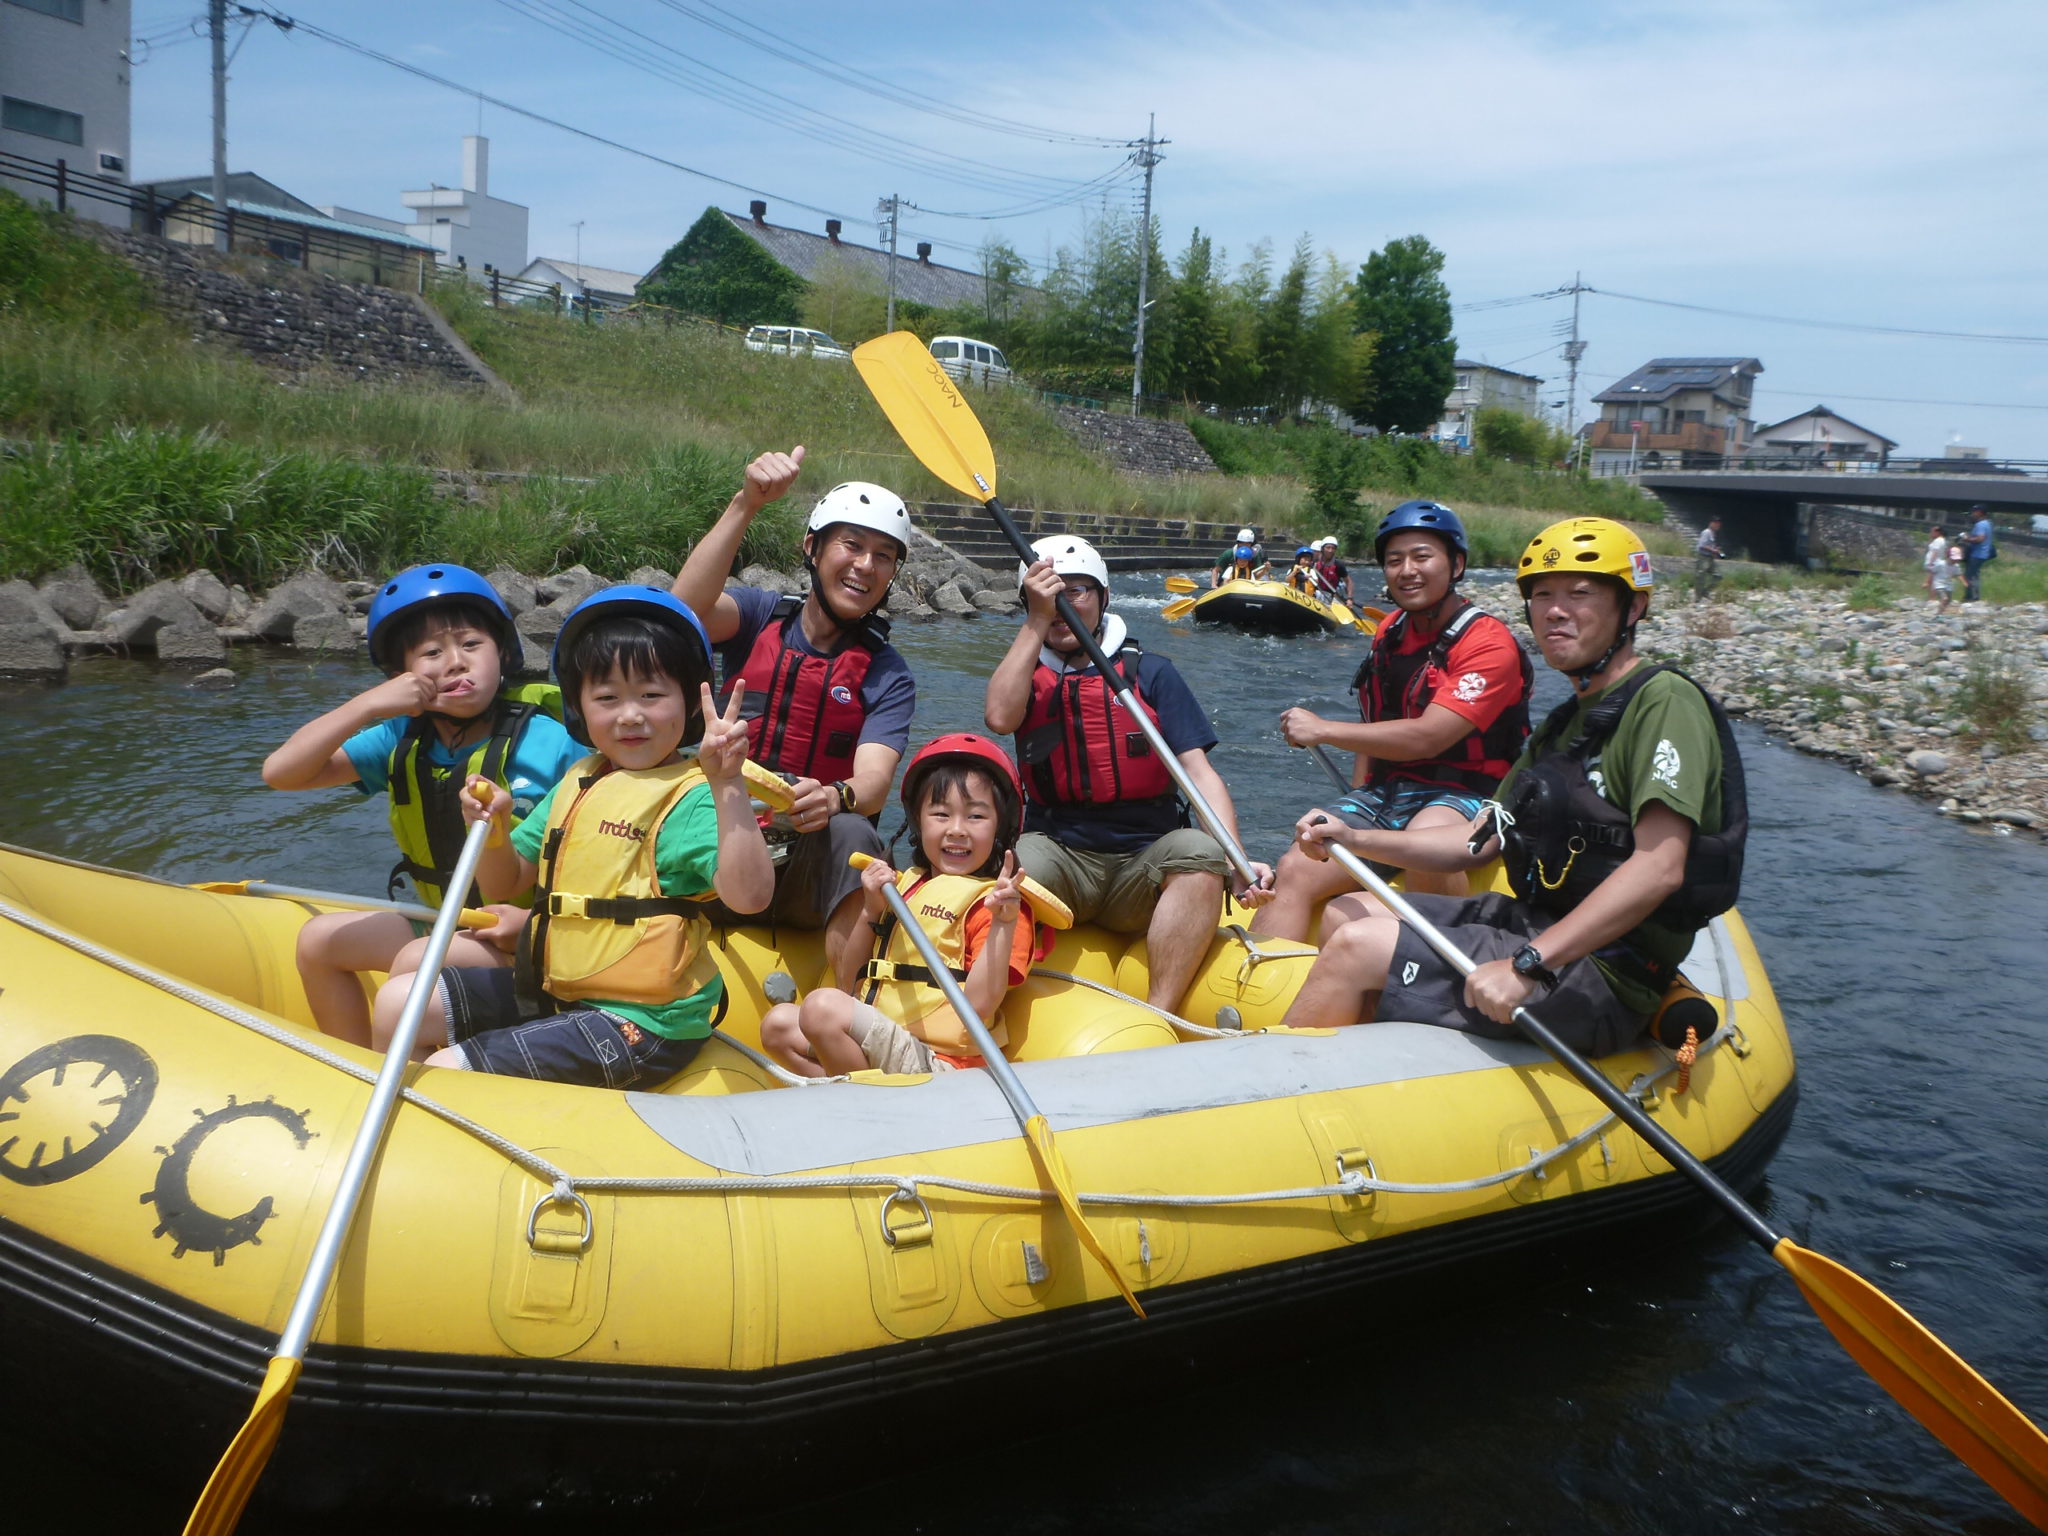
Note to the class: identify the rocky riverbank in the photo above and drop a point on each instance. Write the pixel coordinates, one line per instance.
(196, 620)
(1952, 709)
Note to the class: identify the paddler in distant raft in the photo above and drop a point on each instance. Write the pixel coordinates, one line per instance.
(1245, 560)
(1331, 570)
(1624, 823)
(1105, 830)
(1443, 705)
(828, 699)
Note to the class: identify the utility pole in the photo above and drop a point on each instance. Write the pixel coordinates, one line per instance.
(217, 25)
(890, 210)
(1573, 351)
(1148, 156)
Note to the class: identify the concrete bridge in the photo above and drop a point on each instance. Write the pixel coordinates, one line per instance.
(1761, 509)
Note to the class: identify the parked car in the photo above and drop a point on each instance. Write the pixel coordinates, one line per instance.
(965, 358)
(795, 341)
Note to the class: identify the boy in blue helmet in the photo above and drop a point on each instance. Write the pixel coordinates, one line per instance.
(1443, 704)
(615, 985)
(442, 714)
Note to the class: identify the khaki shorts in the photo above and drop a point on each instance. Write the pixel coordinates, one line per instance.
(1117, 890)
(889, 1047)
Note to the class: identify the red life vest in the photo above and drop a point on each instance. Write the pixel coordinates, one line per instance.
(1397, 687)
(1077, 746)
(804, 713)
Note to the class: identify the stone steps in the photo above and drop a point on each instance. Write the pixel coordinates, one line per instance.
(1126, 542)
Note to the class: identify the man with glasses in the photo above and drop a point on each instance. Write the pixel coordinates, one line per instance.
(1105, 830)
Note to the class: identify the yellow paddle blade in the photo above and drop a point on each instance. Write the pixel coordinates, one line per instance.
(1039, 1134)
(1176, 608)
(1181, 584)
(924, 406)
(1963, 1410)
(227, 1491)
(223, 887)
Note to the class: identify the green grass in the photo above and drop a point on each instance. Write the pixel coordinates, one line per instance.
(1995, 698)
(1873, 590)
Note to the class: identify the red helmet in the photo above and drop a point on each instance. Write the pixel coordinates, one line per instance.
(969, 750)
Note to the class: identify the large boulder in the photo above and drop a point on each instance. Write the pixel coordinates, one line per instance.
(191, 644)
(995, 600)
(333, 631)
(30, 650)
(22, 605)
(209, 594)
(74, 596)
(538, 626)
(649, 576)
(517, 590)
(565, 589)
(304, 598)
(771, 581)
(152, 610)
(949, 599)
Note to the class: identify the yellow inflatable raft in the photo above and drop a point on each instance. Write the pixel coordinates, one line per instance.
(560, 1283)
(1266, 605)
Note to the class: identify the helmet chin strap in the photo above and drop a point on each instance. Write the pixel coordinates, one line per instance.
(1624, 635)
(839, 622)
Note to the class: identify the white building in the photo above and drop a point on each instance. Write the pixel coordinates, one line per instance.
(604, 285)
(465, 224)
(1477, 387)
(64, 96)
(1821, 436)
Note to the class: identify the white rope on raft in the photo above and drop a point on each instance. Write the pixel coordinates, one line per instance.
(1353, 1182)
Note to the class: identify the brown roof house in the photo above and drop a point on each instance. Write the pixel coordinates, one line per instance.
(1820, 436)
(1674, 413)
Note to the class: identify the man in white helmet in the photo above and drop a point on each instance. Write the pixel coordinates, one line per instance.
(1105, 829)
(827, 699)
(1245, 559)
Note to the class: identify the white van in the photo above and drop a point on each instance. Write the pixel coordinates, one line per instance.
(965, 358)
(795, 341)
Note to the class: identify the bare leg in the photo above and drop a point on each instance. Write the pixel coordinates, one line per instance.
(391, 999)
(826, 1019)
(1298, 885)
(333, 949)
(448, 1056)
(844, 927)
(783, 1039)
(464, 950)
(1344, 985)
(1183, 923)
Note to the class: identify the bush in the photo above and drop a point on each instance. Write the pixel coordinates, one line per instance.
(1994, 697)
(1873, 590)
(1500, 433)
(46, 266)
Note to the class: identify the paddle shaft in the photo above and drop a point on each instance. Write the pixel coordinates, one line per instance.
(1321, 754)
(1625, 1109)
(1195, 798)
(472, 917)
(355, 1174)
(942, 977)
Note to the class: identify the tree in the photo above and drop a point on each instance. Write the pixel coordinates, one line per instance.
(1402, 301)
(715, 270)
(1499, 433)
(846, 303)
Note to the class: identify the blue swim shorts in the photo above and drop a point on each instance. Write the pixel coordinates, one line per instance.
(585, 1046)
(1391, 804)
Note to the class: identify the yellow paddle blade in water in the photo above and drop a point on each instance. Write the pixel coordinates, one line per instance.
(1181, 584)
(221, 1502)
(925, 407)
(1177, 607)
(1039, 1134)
(1962, 1410)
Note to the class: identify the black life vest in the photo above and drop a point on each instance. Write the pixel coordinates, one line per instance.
(1391, 687)
(804, 713)
(1567, 837)
(426, 813)
(1077, 747)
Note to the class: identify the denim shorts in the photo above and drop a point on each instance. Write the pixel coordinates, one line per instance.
(1391, 804)
(585, 1046)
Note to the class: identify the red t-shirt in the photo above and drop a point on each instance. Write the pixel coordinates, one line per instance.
(1029, 943)
(1482, 676)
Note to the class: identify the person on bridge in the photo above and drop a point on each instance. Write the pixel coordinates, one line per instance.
(1707, 555)
(1624, 824)
(1105, 829)
(828, 700)
(1980, 547)
(1443, 704)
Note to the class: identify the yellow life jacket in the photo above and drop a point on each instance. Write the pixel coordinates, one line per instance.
(900, 984)
(602, 929)
(426, 821)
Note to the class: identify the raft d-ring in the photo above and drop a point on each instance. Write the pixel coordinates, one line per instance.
(1356, 1162)
(913, 1233)
(560, 1242)
(1738, 1042)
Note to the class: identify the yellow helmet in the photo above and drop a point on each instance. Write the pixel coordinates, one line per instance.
(1596, 546)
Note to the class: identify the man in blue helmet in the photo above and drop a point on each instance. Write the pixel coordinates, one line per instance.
(1443, 704)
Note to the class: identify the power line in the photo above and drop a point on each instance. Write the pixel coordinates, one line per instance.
(1826, 325)
(1975, 405)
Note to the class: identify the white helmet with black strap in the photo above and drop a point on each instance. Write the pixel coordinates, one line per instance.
(859, 504)
(1070, 556)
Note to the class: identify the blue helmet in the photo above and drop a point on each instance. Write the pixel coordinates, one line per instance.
(1306, 549)
(422, 584)
(622, 601)
(1430, 517)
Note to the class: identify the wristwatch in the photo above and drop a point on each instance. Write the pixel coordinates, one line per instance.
(844, 787)
(1528, 961)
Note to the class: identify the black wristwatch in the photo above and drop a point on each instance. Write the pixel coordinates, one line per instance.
(847, 800)
(1528, 961)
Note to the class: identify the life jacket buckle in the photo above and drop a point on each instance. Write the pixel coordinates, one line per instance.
(567, 904)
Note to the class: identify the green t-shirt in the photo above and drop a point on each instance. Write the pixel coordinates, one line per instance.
(1664, 748)
(686, 860)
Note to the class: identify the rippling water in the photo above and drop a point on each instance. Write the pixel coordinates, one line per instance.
(1676, 1387)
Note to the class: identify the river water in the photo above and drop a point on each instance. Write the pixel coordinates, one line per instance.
(1671, 1387)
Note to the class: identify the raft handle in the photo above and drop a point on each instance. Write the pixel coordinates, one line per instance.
(560, 1242)
(911, 1234)
(1352, 1161)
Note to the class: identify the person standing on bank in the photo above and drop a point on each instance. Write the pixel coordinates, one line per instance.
(1443, 704)
(1625, 824)
(828, 699)
(1980, 546)
(1105, 831)
(1707, 554)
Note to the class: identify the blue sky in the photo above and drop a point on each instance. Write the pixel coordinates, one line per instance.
(1881, 164)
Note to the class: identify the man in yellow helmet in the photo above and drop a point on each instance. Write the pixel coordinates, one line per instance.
(1623, 820)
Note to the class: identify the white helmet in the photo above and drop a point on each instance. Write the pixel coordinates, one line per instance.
(1244, 536)
(1070, 556)
(1327, 541)
(865, 506)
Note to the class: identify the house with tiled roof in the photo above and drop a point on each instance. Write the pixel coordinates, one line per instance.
(1674, 413)
(743, 270)
(1821, 436)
